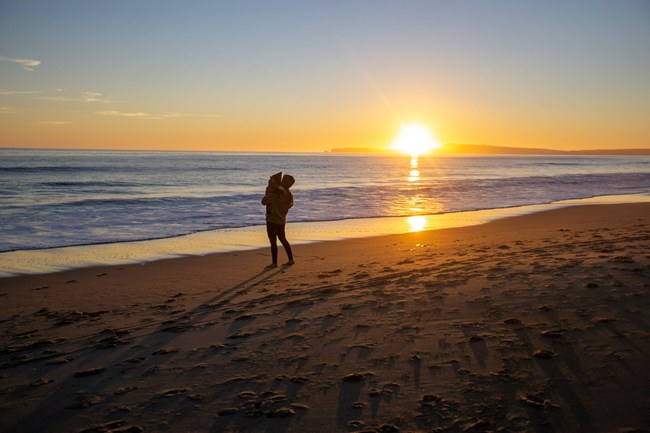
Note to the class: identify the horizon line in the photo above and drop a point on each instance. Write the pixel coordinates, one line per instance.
(488, 150)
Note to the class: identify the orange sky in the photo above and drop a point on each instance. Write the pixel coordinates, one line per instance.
(300, 76)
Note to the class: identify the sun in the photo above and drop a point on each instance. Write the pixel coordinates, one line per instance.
(415, 140)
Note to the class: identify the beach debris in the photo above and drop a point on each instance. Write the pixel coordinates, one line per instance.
(166, 351)
(113, 427)
(353, 377)
(40, 382)
(295, 337)
(357, 377)
(173, 392)
(121, 409)
(239, 335)
(236, 379)
(554, 333)
(124, 390)
(264, 405)
(110, 342)
(70, 317)
(60, 361)
(85, 401)
(283, 412)
(220, 346)
(299, 379)
(129, 429)
(118, 332)
(89, 372)
(544, 354)
(479, 426)
(386, 389)
(536, 401)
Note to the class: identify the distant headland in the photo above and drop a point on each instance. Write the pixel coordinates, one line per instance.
(483, 149)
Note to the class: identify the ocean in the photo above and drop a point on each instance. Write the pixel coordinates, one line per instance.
(60, 198)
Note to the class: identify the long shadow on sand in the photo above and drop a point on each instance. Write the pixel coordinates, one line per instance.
(69, 396)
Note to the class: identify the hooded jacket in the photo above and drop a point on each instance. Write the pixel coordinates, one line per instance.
(278, 201)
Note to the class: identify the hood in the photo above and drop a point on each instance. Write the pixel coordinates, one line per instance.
(288, 181)
(277, 177)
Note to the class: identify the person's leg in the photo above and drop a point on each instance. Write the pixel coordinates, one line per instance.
(285, 243)
(271, 231)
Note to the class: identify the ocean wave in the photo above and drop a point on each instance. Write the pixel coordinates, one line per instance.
(85, 184)
(142, 196)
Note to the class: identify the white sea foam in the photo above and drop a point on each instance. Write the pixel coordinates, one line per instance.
(254, 237)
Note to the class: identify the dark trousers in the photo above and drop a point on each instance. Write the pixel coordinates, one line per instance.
(275, 232)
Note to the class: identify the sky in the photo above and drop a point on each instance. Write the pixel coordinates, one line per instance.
(309, 76)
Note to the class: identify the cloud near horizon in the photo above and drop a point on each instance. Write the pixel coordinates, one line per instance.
(150, 116)
(18, 92)
(60, 97)
(7, 110)
(27, 64)
(96, 97)
(85, 97)
(52, 123)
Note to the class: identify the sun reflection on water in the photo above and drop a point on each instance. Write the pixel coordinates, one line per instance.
(417, 223)
(416, 201)
(414, 173)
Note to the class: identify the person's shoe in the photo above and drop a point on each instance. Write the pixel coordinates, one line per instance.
(289, 263)
(271, 265)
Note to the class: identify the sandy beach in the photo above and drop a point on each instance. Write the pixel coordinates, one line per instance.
(536, 323)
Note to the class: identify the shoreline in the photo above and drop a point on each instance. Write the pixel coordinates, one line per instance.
(43, 261)
(532, 323)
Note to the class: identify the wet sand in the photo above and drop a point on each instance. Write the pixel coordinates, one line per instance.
(537, 323)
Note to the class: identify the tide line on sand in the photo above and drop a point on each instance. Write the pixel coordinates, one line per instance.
(249, 238)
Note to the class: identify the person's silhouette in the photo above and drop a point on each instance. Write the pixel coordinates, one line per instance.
(278, 200)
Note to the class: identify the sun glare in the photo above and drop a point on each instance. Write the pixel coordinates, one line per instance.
(417, 223)
(415, 140)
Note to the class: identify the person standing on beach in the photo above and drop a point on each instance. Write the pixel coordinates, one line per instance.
(278, 200)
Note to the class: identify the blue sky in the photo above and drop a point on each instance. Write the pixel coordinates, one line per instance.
(306, 75)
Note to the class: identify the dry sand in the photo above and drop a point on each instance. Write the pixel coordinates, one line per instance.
(535, 324)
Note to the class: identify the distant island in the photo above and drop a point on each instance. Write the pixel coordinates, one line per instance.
(483, 149)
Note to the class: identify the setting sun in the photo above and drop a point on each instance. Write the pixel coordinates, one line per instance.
(414, 140)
